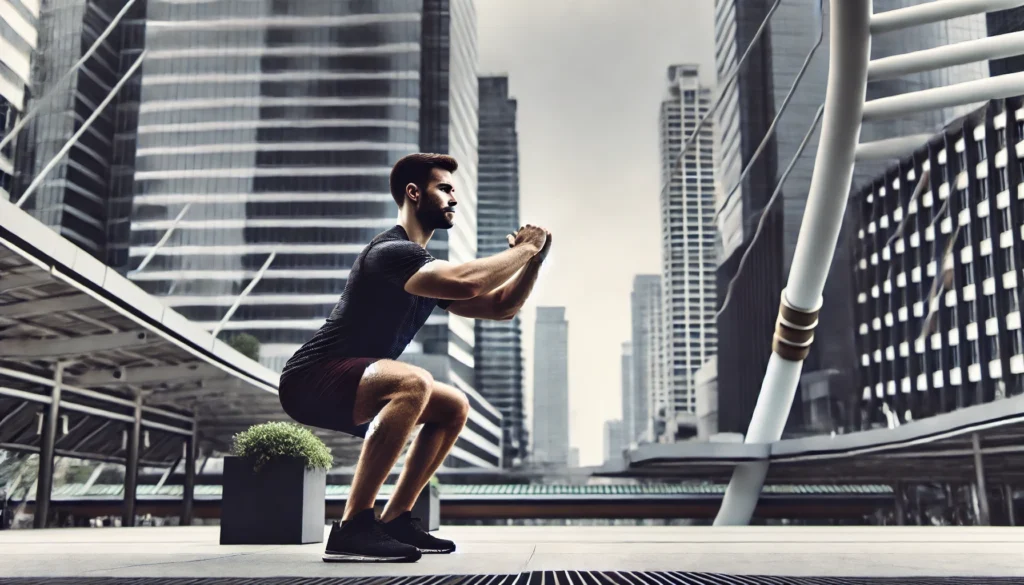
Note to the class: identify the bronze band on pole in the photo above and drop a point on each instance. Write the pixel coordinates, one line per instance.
(794, 331)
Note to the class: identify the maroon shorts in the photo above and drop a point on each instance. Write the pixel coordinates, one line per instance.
(323, 394)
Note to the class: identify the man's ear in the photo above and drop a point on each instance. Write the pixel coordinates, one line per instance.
(412, 192)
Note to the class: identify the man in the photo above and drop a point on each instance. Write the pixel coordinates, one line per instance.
(346, 378)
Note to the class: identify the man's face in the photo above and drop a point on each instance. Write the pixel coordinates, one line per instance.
(436, 206)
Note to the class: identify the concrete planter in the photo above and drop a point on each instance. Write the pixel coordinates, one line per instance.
(428, 508)
(283, 503)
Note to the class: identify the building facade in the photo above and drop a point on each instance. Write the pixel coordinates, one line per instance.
(646, 408)
(73, 199)
(938, 307)
(499, 352)
(628, 385)
(999, 23)
(689, 237)
(19, 38)
(550, 436)
(614, 440)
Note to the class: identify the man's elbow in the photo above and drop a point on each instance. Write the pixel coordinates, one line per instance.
(470, 290)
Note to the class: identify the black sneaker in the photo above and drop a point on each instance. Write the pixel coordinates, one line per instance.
(408, 530)
(363, 540)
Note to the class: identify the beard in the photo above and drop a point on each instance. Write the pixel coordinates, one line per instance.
(434, 218)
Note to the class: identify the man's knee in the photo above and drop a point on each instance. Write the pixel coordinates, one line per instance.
(417, 386)
(461, 407)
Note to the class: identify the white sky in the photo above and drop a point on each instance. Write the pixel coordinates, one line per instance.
(589, 76)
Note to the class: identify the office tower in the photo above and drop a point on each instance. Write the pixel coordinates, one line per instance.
(19, 19)
(688, 235)
(628, 383)
(499, 353)
(648, 407)
(745, 326)
(938, 311)
(277, 124)
(614, 441)
(73, 199)
(551, 387)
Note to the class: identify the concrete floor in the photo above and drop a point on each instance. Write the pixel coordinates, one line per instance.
(794, 551)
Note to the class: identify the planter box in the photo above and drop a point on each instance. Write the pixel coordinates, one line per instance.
(428, 508)
(283, 503)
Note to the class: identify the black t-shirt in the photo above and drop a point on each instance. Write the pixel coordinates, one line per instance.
(375, 316)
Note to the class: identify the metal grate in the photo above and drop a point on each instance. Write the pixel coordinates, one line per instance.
(534, 578)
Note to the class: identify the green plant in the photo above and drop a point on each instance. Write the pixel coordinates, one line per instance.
(246, 345)
(434, 481)
(267, 441)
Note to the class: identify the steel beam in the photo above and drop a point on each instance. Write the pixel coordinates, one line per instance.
(45, 482)
(131, 474)
(826, 203)
(891, 148)
(9, 282)
(45, 306)
(75, 346)
(163, 240)
(188, 494)
(252, 284)
(150, 375)
(1011, 516)
(939, 10)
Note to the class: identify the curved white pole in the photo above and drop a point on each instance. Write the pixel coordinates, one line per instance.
(935, 11)
(850, 47)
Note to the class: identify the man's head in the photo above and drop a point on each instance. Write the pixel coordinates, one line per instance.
(424, 181)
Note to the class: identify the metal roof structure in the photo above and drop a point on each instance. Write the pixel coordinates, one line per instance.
(82, 345)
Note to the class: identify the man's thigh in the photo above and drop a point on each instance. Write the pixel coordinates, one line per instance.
(381, 382)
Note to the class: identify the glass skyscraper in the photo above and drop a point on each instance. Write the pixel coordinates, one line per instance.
(550, 437)
(73, 198)
(19, 37)
(499, 353)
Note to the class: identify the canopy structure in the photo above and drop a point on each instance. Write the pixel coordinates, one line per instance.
(93, 367)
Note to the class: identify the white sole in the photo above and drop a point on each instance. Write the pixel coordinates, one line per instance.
(353, 558)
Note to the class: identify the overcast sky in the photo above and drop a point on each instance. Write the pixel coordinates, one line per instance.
(589, 76)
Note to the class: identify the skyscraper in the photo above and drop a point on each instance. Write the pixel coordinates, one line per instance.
(18, 41)
(688, 235)
(1002, 22)
(614, 441)
(499, 353)
(551, 387)
(645, 411)
(628, 384)
(73, 198)
(277, 123)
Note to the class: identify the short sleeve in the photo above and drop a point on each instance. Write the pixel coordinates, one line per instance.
(443, 304)
(396, 261)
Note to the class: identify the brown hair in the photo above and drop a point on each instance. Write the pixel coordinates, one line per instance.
(416, 169)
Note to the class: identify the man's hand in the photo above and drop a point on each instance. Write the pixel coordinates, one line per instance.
(542, 254)
(529, 235)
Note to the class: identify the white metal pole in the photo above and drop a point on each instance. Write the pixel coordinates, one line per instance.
(960, 94)
(826, 203)
(85, 126)
(248, 289)
(936, 11)
(986, 49)
(37, 104)
(163, 240)
(890, 148)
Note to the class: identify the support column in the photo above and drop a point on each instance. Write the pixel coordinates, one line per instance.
(188, 494)
(44, 485)
(849, 52)
(131, 472)
(1011, 517)
(984, 518)
(900, 509)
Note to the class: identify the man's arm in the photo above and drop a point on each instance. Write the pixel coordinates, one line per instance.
(505, 302)
(443, 280)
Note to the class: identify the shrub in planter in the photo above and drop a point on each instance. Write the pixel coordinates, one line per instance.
(275, 486)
